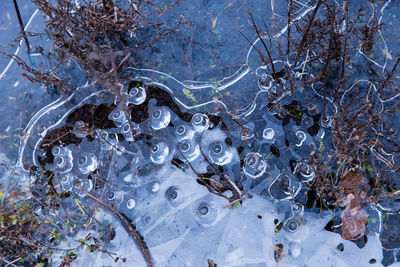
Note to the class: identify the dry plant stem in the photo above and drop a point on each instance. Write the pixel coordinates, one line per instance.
(255, 48)
(342, 73)
(139, 241)
(262, 41)
(304, 38)
(8, 263)
(390, 75)
(393, 194)
(21, 25)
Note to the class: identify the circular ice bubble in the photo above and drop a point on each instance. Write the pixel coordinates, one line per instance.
(220, 153)
(82, 160)
(217, 149)
(203, 210)
(183, 132)
(264, 79)
(156, 114)
(269, 135)
(184, 146)
(86, 184)
(283, 187)
(87, 163)
(131, 203)
(67, 181)
(160, 118)
(147, 219)
(137, 95)
(297, 209)
(189, 150)
(110, 195)
(180, 130)
(254, 165)
(56, 150)
(126, 131)
(305, 171)
(204, 213)
(125, 128)
(63, 163)
(326, 121)
(300, 138)
(159, 152)
(200, 122)
(173, 196)
(292, 225)
(118, 116)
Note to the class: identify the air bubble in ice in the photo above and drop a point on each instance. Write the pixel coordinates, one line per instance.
(254, 165)
(269, 135)
(189, 149)
(204, 214)
(200, 122)
(160, 118)
(63, 183)
(183, 131)
(284, 187)
(220, 153)
(264, 79)
(300, 138)
(173, 196)
(127, 132)
(137, 95)
(86, 184)
(131, 203)
(110, 195)
(203, 210)
(326, 121)
(63, 159)
(87, 162)
(292, 225)
(159, 152)
(118, 116)
(297, 209)
(304, 171)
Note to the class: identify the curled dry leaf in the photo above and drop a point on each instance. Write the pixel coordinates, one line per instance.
(352, 190)
(353, 223)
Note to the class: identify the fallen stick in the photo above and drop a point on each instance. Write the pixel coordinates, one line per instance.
(139, 240)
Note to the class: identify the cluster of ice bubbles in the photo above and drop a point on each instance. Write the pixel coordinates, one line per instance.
(147, 167)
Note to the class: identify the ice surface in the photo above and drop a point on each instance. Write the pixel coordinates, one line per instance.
(150, 167)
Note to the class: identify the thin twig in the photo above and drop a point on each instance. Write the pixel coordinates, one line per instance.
(305, 34)
(390, 75)
(21, 25)
(262, 41)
